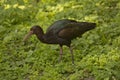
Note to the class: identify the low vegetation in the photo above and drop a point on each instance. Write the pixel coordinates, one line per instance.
(97, 53)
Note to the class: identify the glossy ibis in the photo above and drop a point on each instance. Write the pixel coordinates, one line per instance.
(61, 32)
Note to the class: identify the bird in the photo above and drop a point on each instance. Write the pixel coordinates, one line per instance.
(61, 32)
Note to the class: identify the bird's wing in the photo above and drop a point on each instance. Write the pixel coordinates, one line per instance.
(73, 30)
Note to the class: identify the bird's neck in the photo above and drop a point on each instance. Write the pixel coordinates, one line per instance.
(40, 36)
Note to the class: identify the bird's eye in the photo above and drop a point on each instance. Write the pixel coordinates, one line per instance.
(31, 29)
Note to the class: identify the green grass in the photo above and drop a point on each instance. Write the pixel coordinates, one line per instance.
(97, 52)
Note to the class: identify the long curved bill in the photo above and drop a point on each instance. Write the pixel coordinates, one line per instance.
(27, 36)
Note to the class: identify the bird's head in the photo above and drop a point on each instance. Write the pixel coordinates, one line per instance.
(33, 30)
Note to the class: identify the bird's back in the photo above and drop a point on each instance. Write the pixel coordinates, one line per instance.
(58, 25)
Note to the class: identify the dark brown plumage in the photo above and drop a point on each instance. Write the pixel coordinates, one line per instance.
(61, 32)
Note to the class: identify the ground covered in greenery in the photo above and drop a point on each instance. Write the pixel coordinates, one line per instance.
(97, 53)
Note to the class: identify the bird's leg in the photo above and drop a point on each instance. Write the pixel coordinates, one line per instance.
(72, 56)
(61, 52)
